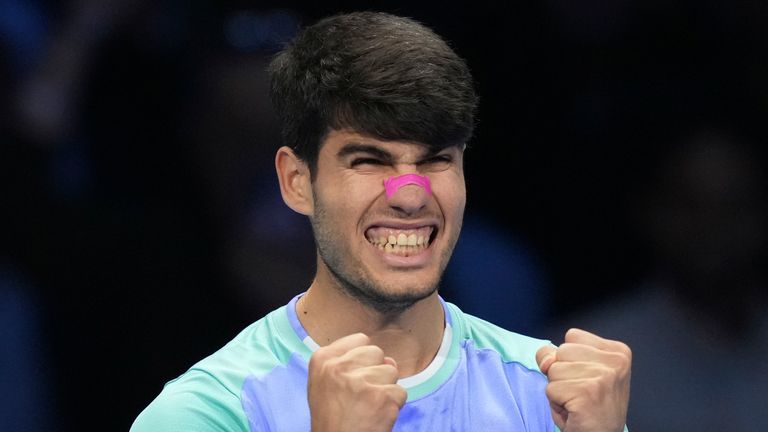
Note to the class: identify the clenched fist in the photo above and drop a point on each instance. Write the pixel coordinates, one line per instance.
(352, 387)
(588, 388)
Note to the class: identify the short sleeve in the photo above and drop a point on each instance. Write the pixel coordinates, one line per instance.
(184, 409)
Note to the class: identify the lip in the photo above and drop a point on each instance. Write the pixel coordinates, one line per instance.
(410, 262)
(401, 224)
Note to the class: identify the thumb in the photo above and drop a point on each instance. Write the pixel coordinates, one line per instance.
(390, 361)
(545, 356)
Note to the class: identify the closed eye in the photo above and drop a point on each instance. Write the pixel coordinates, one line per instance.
(366, 161)
(442, 161)
(438, 159)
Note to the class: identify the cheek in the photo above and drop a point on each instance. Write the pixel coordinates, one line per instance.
(346, 197)
(453, 190)
(451, 194)
(458, 202)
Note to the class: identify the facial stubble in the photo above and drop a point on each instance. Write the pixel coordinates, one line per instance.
(352, 280)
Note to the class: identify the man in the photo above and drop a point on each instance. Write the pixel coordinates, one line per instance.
(377, 110)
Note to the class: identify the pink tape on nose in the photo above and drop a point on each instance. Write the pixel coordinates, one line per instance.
(392, 184)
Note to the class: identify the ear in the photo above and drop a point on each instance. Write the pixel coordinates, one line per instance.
(295, 182)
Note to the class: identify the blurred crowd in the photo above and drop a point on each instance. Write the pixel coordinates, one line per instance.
(617, 182)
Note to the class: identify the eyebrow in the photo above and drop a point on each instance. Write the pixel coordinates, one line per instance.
(354, 147)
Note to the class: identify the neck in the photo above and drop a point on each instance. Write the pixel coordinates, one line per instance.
(412, 336)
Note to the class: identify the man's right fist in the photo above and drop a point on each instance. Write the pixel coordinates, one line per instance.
(352, 387)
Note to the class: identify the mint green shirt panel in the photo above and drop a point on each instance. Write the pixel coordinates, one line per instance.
(207, 396)
(198, 403)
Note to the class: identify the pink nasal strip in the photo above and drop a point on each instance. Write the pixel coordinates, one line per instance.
(393, 184)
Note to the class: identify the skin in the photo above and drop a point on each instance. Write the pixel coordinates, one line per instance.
(589, 377)
(377, 316)
(349, 199)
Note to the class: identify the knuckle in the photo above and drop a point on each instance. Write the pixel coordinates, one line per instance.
(551, 391)
(364, 338)
(402, 396)
(333, 368)
(610, 378)
(626, 350)
(317, 357)
(624, 355)
(391, 410)
(617, 360)
(555, 369)
(332, 363)
(365, 391)
(375, 351)
(316, 362)
(622, 348)
(610, 375)
(593, 389)
(390, 370)
(365, 388)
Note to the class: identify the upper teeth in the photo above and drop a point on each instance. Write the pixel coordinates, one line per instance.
(384, 237)
(402, 240)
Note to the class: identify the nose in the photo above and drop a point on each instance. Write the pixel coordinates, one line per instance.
(408, 193)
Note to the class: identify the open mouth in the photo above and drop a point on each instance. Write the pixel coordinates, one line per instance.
(401, 242)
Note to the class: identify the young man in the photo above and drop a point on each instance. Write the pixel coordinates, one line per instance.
(377, 110)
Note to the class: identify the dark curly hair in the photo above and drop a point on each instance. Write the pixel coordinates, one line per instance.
(381, 75)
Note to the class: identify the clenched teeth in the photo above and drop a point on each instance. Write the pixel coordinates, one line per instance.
(400, 242)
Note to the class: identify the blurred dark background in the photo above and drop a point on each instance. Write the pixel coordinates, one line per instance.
(617, 172)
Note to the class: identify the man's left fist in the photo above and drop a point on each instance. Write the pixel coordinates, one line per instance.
(588, 388)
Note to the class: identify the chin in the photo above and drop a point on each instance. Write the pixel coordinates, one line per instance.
(390, 300)
(392, 304)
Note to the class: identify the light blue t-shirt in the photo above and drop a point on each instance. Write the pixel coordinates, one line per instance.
(483, 378)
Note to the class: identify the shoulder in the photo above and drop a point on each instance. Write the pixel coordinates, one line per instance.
(193, 402)
(208, 396)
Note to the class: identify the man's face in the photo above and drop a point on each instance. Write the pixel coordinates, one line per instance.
(355, 222)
